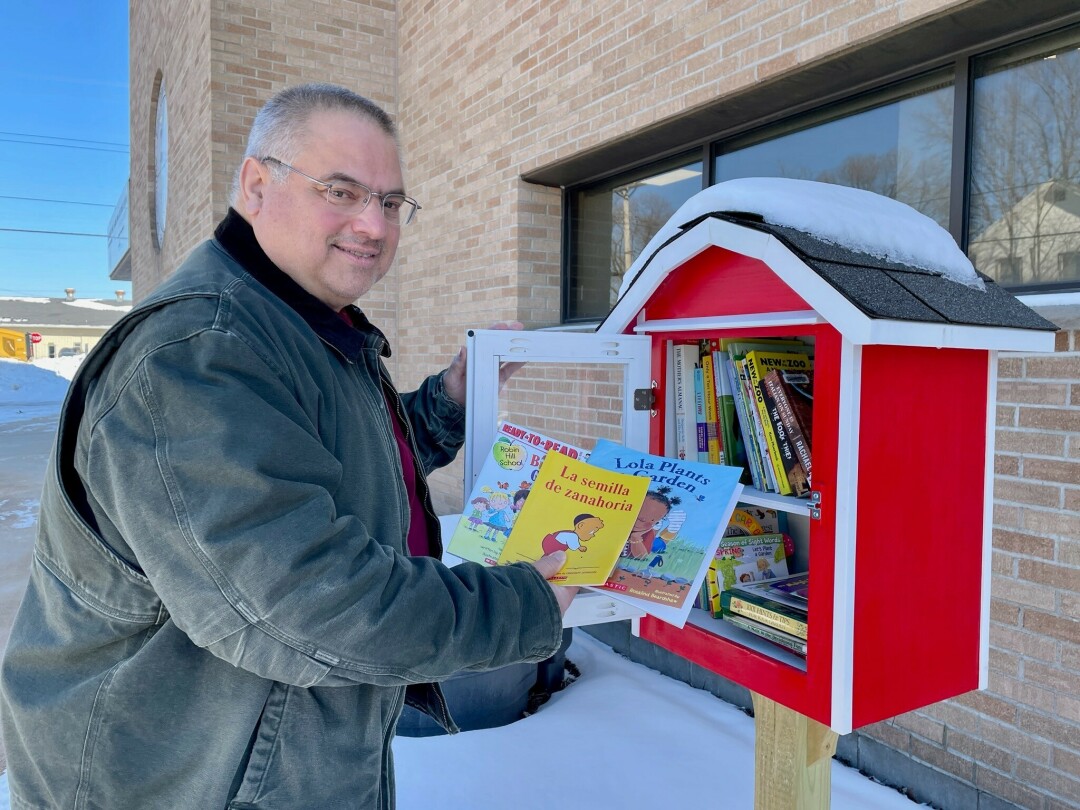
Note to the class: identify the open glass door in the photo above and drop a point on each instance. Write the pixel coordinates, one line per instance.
(576, 387)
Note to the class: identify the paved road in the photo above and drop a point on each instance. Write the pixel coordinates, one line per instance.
(24, 451)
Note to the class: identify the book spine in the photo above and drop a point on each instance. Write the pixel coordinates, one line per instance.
(779, 637)
(725, 410)
(746, 424)
(778, 390)
(701, 425)
(712, 416)
(794, 472)
(772, 616)
(772, 447)
(678, 380)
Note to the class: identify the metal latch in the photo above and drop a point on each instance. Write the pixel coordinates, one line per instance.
(815, 504)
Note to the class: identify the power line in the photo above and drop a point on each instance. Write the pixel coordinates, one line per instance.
(63, 138)
(64, 202)
(66, 146)
(55, 233)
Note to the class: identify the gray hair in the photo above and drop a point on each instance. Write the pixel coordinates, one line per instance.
(280, 127)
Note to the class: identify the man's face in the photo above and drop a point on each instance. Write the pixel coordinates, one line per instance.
(335, 257)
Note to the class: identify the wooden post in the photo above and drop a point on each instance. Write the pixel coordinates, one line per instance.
(792, 759)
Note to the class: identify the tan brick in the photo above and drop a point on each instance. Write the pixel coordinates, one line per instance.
(1047, 573)
(1056, 523)
(1023, 593)
(1030, 443)
(1026, 492)
(977, 750)
(1025, 392)
(1052, 781)
(936, 756)
(1045, 418)
(1052, 626)
(1008, 788)
(1053, 367)
(1020, 543)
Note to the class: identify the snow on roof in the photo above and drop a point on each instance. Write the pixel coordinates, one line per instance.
(90, 303)
(855, 219)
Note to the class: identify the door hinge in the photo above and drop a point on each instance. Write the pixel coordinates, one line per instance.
(645, 399)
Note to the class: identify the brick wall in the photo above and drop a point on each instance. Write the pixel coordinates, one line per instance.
(170, 44)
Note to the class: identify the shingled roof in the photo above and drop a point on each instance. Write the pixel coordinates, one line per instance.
(884, 289)
(23, 313)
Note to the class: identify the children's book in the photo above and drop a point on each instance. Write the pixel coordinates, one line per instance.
(785, 640)
(750, 558)
(586, 511)
(767, 611)
(674, 538)
(501, 489)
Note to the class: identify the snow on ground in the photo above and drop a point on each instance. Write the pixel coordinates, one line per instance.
(620, 736)
(30, 390)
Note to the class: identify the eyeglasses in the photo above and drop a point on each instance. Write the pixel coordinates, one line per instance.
(352, 198)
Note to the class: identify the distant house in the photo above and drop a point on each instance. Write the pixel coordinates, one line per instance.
(1036, 240)
(66, 326)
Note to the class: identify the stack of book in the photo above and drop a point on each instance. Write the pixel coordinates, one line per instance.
(772, 609)
(747, 403)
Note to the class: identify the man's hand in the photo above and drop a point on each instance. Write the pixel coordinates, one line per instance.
(454, 378)
(549, 566)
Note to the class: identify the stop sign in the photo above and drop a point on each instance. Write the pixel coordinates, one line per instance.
(35, 337)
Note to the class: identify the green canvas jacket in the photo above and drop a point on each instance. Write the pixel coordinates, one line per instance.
(221, 611)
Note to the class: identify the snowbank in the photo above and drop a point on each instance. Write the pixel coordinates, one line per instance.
(30, 390)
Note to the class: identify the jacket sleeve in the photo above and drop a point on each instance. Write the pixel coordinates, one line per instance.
(215, 476)
(437, 421)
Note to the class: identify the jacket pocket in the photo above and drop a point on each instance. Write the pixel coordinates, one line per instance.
(263, 749)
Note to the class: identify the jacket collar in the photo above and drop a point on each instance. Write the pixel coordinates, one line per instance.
(236, 235)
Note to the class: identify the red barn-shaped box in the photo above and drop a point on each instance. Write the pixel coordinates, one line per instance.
(896, 535)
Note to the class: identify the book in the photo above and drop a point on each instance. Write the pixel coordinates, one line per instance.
(759, 363)
(767, 611)
(745, 400)
(731, 439)
(745, 425)
(749, 519)
(712, 416)
(501, 488)
(777, 447)
(585, 510)
(779, 637)
(702, 431)
(792, 391)
(667, 555)
(683, 361)
(793, 589)
(745, 559)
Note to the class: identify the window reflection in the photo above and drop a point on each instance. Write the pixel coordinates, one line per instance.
(896, 143)
(1024, 224)
(612, 223)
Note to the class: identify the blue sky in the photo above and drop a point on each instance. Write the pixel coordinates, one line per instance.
(63, 82)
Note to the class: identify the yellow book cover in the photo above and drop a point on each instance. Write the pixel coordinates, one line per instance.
(583, 510)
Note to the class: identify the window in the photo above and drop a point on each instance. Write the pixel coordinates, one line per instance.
(1025, 162)
(897, 142)
(610, 225)
(994, 159)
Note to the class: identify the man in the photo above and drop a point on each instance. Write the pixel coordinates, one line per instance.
(231, 592)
